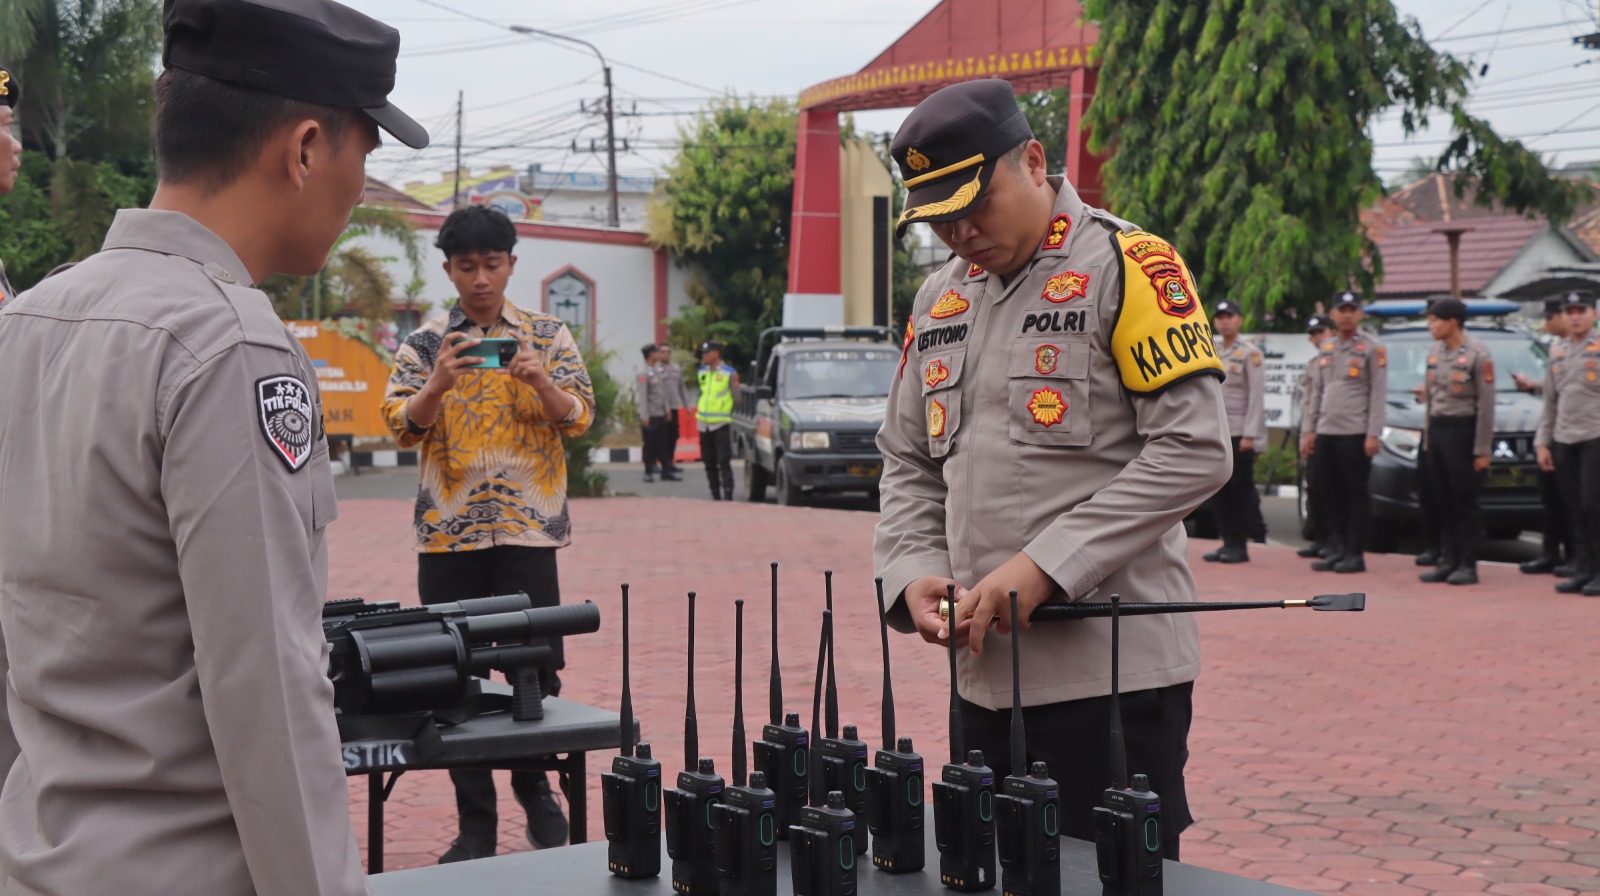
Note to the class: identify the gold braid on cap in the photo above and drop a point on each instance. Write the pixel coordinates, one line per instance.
(958, 201)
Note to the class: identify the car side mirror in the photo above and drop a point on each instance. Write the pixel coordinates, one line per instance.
(764, 393)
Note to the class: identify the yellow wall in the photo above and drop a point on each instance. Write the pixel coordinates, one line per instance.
(862, 176)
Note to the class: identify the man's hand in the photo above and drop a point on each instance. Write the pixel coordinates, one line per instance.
(447, 367)
(922, 601)
(1547, 461)
(1480, 463)
(1308, 444)
(991, 599)
(1247, 444)
(1419, 392)
(528, 367)
(1371, 446)
(1524, 384)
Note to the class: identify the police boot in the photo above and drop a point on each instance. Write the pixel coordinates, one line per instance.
(1448, 564)
(1351, 563)
(1592, 589)
(1310, 551)
(1216, 555)
(1331, 555)
(1465, 574)
(1235, 550)
(1568, 569)
(1429, 557)
(1539, 567)
(727, 491)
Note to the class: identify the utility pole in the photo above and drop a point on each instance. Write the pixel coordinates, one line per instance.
(611, 132)
(455, 201)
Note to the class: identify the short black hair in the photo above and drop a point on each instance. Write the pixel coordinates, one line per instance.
(210, 132)
(649, 349)
(476, 228)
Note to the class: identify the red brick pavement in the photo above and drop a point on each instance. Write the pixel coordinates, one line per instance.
(1443, 742)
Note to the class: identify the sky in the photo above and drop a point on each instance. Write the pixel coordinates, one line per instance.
(524, 98)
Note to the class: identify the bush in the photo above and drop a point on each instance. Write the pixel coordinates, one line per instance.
(583, 480)
(1277, 465)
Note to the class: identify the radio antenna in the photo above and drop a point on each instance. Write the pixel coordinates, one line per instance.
(1119, 755)
(816, 697)
(627, 694)
(1019, 754)
(831, 706)
(888, 685)
(775, 684)
(738, 694)
(691, 730)
(957, 748)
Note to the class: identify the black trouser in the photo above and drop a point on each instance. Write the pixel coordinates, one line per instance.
(1342, 468)
(716, 451)
(1454, 486)
(1238, 503)
(1314, 509)
(1578, 469)
(660, 443)
(1071, 738)
(1427, 506)
(458, 575)
(1557, 520)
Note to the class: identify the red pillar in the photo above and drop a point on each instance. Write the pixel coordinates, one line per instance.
(814, 228)
(1083, 168)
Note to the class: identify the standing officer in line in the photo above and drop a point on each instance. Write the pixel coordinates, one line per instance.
(1456, 437)
(718, 382)
(1427, 507)
(1243, 394)
(1316, 332)
(1568, 441)
(10, 159)
(1340, 425)
(169, 688)
(1057, 413)
(660, 396)
(1557, 519)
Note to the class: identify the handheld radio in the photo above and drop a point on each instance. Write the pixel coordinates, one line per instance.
(631, 792)
(1028, 805)
(894, 784)
(1127, 823)
(783, 752)
(963, 801)
(844, 758)
(689, 835)
(744, 824)
(822, 851)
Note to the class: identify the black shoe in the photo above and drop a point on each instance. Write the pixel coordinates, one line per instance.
(1592, 589)
(1326, 564)
(463, 850)
(1430, 557)
(716, 495)
(1442, 574)
(1573, 585)
(1310, 551)
(547, 827)
(1216, 555)
(1352, 563)
(727, 493)
(1568, 571)
(1332, 551)
(649, 478)
(1235, 554)
(1538, 567)
(671, 477)
(1466, 575)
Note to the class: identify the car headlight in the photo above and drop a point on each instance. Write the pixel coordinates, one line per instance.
(809, 441)
(1404, 442)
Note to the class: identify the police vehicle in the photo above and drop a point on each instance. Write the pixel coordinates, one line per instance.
(807, 419)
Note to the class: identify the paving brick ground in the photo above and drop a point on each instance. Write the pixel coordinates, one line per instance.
(1446, 741)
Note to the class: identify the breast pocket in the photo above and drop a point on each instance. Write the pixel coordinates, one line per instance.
(1048, 393)
(941, 398)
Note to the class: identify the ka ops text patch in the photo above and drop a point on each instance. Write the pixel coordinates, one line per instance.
(1162, 335)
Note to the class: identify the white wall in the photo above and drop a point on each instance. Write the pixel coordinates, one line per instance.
(1545, 250)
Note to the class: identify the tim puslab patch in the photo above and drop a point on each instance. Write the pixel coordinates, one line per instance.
(285, 410)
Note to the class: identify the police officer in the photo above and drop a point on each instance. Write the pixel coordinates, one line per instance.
(1557, 526)
(660, 398)
(1058, 412)
(718, 382)
(1568, 441)
(1457, 433)
(10, 155)
(1316, 333)
(1427, 507)
(1243, 393)
(169, 685)
(1342, 419)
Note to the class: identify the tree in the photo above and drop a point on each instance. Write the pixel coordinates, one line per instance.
(1239, 129)
(353, 282)
(724, 209)
(1048, 117)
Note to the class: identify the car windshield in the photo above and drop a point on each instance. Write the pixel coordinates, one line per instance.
(839, 374)
(1513, 353)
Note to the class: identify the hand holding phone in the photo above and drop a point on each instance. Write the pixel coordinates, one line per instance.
(496, 353)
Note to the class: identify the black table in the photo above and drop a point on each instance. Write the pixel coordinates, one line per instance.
(492, 742)
(582, 869)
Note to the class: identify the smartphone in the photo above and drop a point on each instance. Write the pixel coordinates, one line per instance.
(495, 353)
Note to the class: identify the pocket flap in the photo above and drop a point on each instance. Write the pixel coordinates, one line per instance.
(941, 371)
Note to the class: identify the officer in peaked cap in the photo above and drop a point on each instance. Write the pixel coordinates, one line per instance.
(10, 153)
(1568, 440)
(1557, 526)
(1316, 331)
(1456, 438)
(169, 688)
(1244, 395)
(1057, 414)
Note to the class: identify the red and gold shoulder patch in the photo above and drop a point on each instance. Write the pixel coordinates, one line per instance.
(1173, 293)
(1255, 358)
(1383, 356)
(1056, 236)
(1488, 370)
(1144, 250)
(1045, 359)
(937, 373)
(1047, 407)
(973, 270)
(1065, 286)
(949, 305)
(936, 418)
(905, 349)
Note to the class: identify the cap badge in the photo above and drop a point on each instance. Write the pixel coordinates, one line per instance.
(949, 305)
(1060, 226)
(1065, 286)
(1173, 292)
(935, 419)
(1047, 407)
(5, 83)
(916, 161)
(1045, 357)
(937, 373)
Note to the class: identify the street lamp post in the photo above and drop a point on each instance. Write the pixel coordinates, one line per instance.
(611, 132)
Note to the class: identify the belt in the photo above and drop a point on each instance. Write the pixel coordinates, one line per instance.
(1454, 421)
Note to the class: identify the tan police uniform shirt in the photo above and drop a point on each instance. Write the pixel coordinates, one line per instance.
(1349, 383)
(1571, 393)
(1460, 383)
(162, 571)
(1057, 417)
(1244, 392)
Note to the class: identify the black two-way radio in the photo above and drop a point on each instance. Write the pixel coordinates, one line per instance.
(1029, 806)
(843, 757)
(1127, 823)
(783, 754)
(963, 800)
(894, 783)
(631, 792)
(822, 850)
(745, 823)
(689, 836)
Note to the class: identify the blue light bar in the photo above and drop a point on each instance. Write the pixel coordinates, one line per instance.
(1387, 308)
